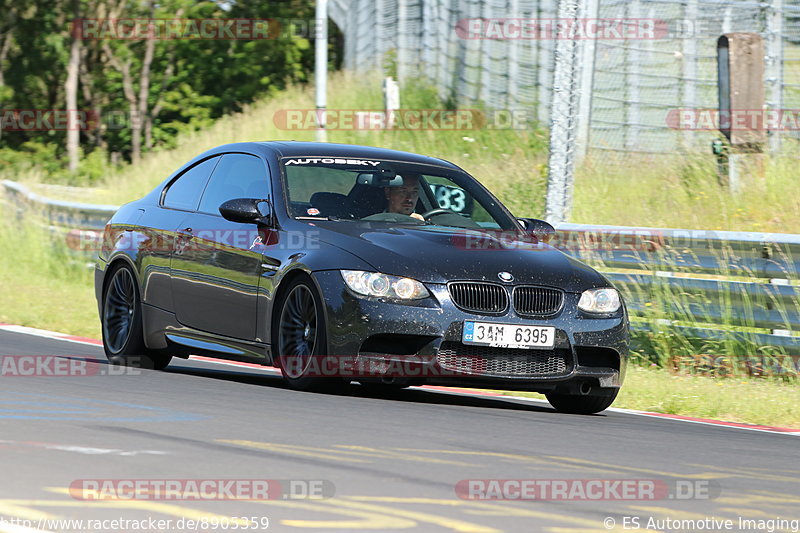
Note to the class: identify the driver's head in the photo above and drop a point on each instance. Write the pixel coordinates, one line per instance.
(403, 199)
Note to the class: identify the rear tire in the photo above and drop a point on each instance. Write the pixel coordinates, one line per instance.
(588, 404)
(123, 334)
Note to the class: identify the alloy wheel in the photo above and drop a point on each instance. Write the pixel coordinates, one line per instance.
(297, 333)
(118, 310)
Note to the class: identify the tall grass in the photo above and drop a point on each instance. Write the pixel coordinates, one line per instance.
(683, 191)
(42, 284)
(663, 309)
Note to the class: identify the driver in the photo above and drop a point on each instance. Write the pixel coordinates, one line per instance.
(403, 199)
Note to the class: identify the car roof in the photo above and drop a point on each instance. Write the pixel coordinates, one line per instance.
(319, 149)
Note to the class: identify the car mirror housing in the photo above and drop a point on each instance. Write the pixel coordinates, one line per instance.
(247, 211)
(380, 178)
(543, 231)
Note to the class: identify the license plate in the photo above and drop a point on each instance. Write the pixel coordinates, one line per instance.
(508, 335)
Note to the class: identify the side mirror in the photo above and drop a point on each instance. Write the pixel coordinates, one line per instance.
(246, 210)
(543, 231)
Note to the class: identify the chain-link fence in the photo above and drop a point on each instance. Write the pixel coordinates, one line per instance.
(421, 36)
(637, 83)
(634, 82)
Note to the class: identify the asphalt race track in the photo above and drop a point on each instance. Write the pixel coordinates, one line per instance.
(393, 460)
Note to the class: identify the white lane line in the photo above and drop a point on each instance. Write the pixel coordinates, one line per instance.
(25, 330)
(86, 450)
(773, 430)
(103, 451)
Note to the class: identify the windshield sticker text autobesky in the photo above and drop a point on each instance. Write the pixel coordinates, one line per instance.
(332, 161)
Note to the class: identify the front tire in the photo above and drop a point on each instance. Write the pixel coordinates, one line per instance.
(588, 404)
(300, 338)
(123, 334)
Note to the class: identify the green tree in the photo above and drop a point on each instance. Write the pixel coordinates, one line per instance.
(161, 86)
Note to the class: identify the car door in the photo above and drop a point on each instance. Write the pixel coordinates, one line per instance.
(216, 263)
(180, 198)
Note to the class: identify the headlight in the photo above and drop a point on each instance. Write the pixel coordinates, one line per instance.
(384, 286)
(599, 301)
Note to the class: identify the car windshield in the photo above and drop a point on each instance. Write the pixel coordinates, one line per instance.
(395, 193)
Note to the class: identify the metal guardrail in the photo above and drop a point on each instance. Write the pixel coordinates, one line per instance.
(703, 285)
(729, 253)
(59, 212)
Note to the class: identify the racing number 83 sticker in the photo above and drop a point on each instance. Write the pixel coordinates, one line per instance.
(452, 198)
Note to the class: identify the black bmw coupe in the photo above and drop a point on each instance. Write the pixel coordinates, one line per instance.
(339, 263)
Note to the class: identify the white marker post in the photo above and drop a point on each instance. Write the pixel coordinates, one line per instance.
(321, 68)
(391, 101)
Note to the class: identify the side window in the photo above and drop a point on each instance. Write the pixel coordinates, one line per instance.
(185, 192)
(236, 176)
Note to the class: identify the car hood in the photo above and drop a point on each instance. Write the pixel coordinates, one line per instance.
(436, 254)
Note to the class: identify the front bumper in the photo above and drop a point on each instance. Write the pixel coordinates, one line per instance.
(421, 342)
